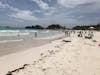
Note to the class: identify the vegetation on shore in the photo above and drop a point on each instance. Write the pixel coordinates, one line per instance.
(34, 27)
(58, 26)
(87, 27)
(52, 26)
(55, 26)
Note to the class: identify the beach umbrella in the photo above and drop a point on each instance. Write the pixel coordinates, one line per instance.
(91, 28)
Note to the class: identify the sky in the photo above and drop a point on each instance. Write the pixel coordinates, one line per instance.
(22, 13)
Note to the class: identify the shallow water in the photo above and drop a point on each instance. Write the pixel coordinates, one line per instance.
(12, 41)
(7, 35)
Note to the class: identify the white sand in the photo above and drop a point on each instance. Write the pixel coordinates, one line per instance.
(78, 57)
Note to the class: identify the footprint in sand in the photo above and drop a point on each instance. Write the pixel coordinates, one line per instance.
(69, 61)
(75, 72)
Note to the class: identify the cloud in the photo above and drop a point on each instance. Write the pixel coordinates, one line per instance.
(45, 8)
(79, 17)
(41, 4)
(84, 11)
(37, 11)
(19, 14)
(49, 0)
(8, 6)
(3, 5)
(49, 13)
(63, 11)
(74, 3)
(24, 15)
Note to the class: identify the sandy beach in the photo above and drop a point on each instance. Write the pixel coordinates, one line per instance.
(64, 56)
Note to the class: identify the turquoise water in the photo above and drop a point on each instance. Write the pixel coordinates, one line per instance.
(13, 34)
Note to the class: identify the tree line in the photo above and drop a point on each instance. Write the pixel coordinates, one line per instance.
(86, 27)
(58, 26)
(52, 26)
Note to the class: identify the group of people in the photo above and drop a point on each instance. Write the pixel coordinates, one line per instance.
(86, 34)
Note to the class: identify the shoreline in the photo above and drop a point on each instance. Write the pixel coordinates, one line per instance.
(72, 56)
(15, 60)
(7, 48)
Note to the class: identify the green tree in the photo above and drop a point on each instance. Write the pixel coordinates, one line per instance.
(55, 26)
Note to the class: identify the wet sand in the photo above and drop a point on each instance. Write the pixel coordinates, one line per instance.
(12, 47)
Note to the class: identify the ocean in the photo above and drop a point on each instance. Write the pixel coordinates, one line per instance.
(9, 35)
(16, 40)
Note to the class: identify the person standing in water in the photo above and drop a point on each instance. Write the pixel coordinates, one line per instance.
(66, 33)
(35, 34)
(18, 35)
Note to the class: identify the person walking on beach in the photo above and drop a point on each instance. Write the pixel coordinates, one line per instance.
(67, 33)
